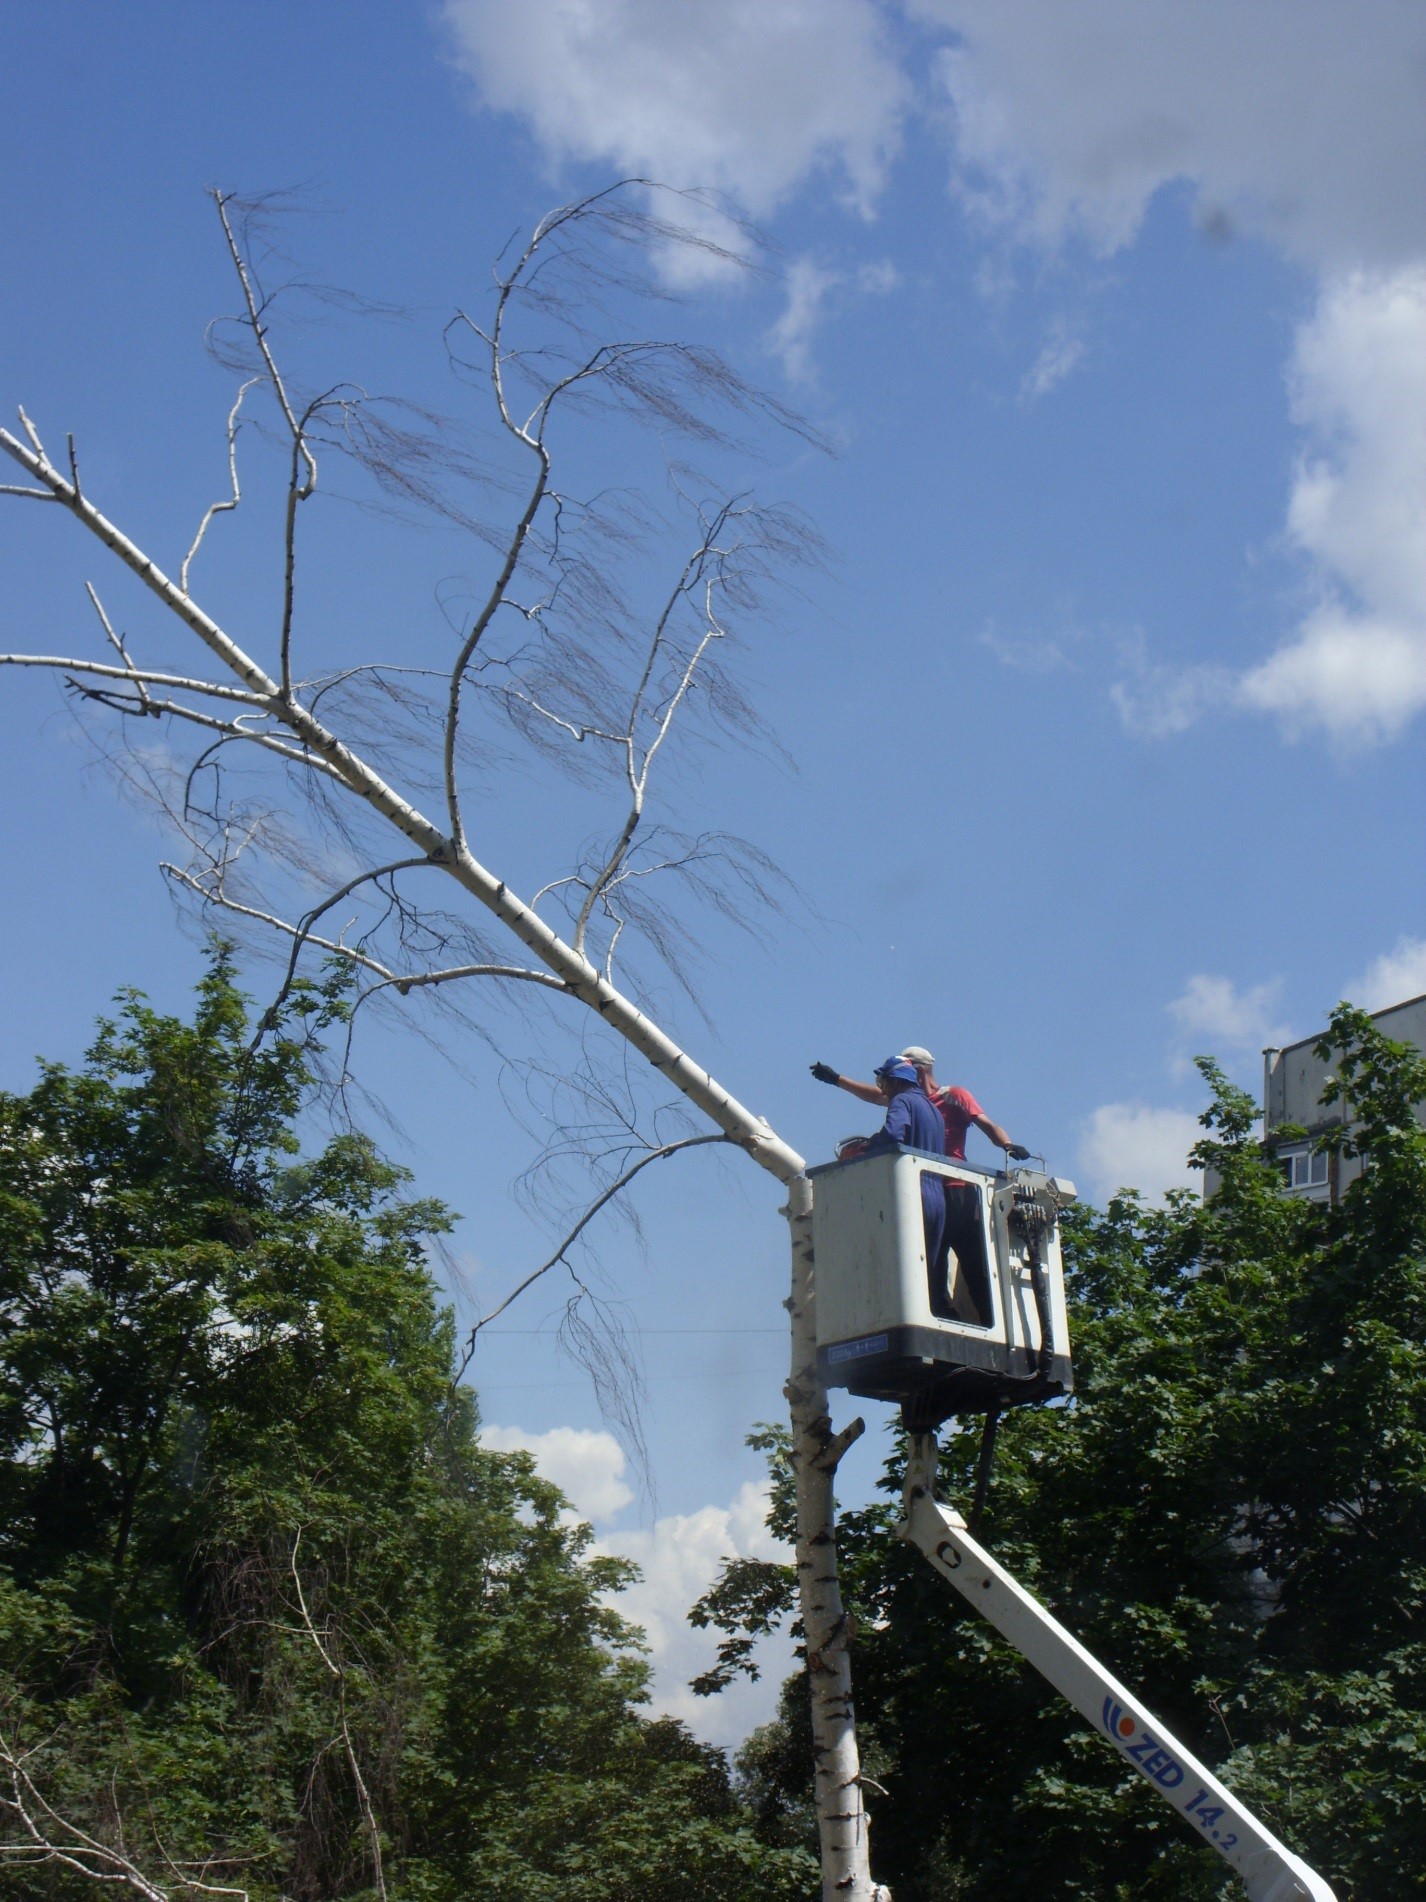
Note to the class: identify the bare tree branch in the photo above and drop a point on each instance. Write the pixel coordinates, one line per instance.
(401, 981)
(299, 485)
(116, 642)
(636, 771)
(338, 1672)
(232, 501)
(419, 980)
(182, 682)
(47, 1838)
(600, 1201)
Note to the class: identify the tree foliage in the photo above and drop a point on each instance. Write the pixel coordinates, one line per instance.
(270, 1616)
(1231, 1512)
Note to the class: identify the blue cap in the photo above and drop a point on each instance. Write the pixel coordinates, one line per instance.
(896, 1070)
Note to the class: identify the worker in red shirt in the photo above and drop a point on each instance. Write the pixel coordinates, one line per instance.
(958, 1107)
(963, 1234)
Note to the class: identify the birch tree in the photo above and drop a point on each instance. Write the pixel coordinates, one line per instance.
(339, 804)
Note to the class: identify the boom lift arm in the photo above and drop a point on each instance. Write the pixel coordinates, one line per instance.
(1269, 1870)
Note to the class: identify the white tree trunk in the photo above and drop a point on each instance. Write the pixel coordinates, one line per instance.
(815, 1452)
(841, 1810)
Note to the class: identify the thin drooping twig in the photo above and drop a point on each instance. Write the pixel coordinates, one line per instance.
(229, 730)
(600, 1201)
(303, 929)
(638, 772)
(614, 363)
(582, 978)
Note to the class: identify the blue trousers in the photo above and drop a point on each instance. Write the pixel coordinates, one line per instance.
(933, 1215)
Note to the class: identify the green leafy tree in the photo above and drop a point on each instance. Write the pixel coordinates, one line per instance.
(270, 1616)
(1231, 1512)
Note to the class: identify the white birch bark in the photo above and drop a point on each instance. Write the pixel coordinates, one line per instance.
(841, 1815)
(841, 1810)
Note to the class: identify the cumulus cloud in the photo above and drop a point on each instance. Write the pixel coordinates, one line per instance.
(1357, 665)
(1392, 978)
(1214, 1010)
(679, 1557)
(1136, 1146)
(587, 1466)
(1299, 120)
(1359, 679)
(743, 96)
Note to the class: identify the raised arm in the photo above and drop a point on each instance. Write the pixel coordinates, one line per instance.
(864, 1092)
(1001, 1138)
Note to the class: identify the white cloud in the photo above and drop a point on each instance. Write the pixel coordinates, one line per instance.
(1300, 120)
(790, 338)
(587, 1466)
(1029, 656)
(878, 278)
(1355, 668)
(1135, 1146)
(679, 1558)
(1357, 665)
(1156, 699)
(1215, 1009)
(809, 287)
(1360, 680)
(1357, 364)
(1059, 355)
(745, 96)
(1392, 978)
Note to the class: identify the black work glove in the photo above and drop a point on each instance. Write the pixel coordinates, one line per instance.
(824, 1073)
(1017, 1152)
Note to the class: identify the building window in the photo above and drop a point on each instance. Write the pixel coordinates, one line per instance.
(1303, 1169)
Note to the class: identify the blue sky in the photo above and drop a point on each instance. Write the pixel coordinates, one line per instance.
(1105, 714)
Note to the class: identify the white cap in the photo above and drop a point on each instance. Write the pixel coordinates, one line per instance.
(916, 1053)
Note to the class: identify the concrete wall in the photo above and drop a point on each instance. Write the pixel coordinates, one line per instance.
(1293, 1081)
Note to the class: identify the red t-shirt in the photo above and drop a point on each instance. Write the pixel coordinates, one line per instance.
(959, 1110)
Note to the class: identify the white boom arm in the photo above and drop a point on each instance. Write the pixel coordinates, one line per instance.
(1270, 1871)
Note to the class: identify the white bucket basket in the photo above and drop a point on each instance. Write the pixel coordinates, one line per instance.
(966, 1332)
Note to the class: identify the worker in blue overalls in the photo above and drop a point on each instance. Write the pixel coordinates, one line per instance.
(914, 1122)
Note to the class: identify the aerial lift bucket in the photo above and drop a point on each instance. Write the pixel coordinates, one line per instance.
(981, 1327)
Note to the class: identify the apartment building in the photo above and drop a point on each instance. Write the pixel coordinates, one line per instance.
(1293, 1081)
